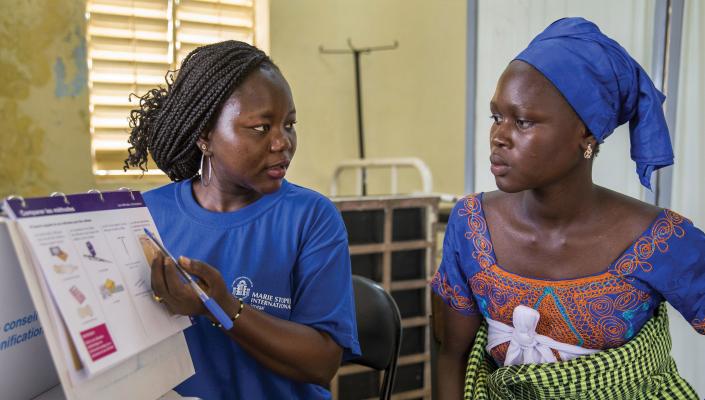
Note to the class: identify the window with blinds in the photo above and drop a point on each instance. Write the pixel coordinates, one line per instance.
(133, 43)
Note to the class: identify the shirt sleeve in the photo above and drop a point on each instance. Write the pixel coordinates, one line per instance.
(452, 282)
(678, 273)
(322, 295)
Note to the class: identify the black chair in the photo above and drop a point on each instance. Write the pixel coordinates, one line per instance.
(378, 330)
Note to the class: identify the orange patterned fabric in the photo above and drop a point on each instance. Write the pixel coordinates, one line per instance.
(580, 312)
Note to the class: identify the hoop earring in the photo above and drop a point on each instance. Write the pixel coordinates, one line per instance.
(588, 152)
(210, 171)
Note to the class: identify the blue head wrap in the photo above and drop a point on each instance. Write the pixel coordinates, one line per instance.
(606, 87)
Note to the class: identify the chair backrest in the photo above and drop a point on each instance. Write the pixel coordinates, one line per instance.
(378, 330)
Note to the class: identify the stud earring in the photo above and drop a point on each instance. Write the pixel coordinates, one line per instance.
(588, 152)
(204, 147)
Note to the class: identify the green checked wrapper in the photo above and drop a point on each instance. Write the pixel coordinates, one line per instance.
(641, 369)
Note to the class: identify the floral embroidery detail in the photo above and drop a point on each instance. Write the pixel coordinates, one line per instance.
(662, 230)
(453, 294)
(699, 325)
(472, 208)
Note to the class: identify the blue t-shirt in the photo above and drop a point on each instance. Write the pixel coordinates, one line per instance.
(285, 254)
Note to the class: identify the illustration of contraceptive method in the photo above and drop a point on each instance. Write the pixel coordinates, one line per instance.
(102, 271)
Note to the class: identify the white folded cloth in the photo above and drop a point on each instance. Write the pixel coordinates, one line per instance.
(525, 345)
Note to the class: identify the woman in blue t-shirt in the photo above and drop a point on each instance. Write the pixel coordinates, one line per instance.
(274, 255)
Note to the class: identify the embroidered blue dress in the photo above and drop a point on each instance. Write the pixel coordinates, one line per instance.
(667, 262)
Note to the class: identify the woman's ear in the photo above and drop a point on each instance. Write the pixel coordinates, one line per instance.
(588, 140)
(204, 146)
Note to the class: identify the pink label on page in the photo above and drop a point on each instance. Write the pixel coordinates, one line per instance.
(98, 342)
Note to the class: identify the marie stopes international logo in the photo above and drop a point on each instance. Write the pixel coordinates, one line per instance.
(242, 287)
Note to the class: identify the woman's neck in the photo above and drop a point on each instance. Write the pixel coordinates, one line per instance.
(560, 205)
(216, 197)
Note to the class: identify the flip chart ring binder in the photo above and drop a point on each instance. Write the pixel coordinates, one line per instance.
(100, 194)
(17, 197)
(62, 194)
(132, 195)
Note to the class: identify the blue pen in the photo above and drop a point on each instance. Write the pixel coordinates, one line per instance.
(210, 304)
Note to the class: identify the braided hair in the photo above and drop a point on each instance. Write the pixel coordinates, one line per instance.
(169, 121)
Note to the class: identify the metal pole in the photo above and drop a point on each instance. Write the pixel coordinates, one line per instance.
(360, 129)
(668, 32)
(470, 100)
(358, 93)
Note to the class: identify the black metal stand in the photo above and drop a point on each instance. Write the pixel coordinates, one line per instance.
(356, 57)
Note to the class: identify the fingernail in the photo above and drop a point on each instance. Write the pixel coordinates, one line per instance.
(184, 261)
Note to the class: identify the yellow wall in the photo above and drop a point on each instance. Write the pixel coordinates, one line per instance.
(413, 97)
(44, 131)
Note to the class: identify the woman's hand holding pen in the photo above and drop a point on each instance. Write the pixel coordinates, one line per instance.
(176, 295)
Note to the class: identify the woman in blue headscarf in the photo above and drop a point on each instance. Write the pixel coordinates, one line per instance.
(560, 281)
